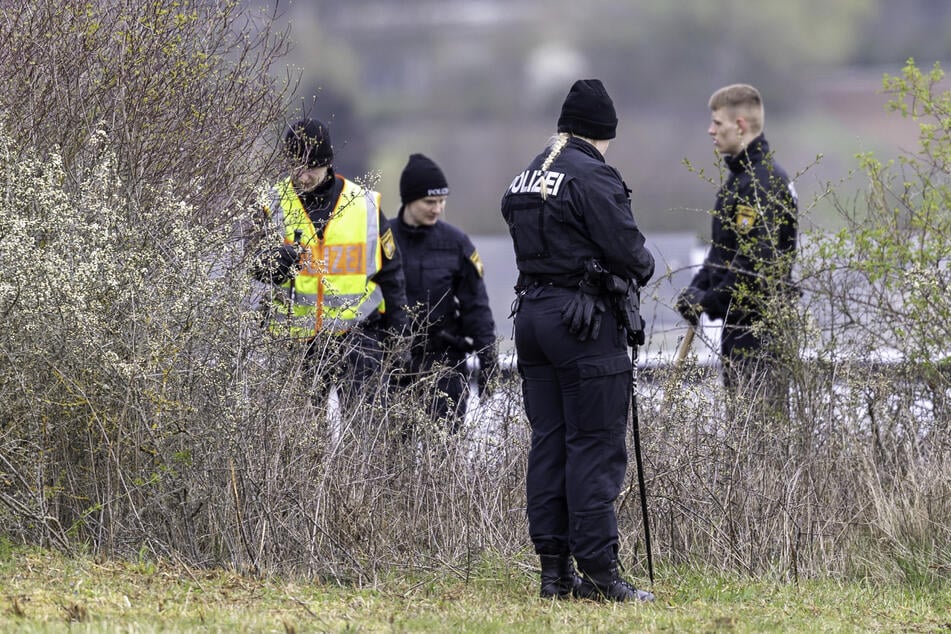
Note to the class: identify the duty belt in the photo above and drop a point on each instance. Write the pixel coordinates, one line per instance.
(526, 280)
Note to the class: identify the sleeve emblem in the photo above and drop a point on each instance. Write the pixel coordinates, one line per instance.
(745, 217)
(477, 263)
(388, 244)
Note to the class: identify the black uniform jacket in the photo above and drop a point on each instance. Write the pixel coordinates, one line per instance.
(587, 214)
(445, 292)
(753, 237)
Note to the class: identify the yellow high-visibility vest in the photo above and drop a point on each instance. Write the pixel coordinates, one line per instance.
(333, 290)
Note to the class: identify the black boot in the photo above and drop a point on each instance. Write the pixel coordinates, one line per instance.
(559, 578)
(608, 585)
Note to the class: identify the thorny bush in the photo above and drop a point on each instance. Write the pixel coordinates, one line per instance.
(144, 410)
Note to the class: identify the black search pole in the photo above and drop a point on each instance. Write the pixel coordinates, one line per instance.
(640, 465)
(297, 236)
(292, 295)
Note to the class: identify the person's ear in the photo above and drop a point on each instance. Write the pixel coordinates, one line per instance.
(742, 125)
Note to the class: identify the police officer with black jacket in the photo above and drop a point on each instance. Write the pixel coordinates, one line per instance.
(580, 257)
(446, 296)
(749, 263)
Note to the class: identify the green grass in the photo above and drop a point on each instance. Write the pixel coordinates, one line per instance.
(42, 591)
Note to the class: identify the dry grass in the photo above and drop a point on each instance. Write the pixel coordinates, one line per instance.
(46, 592)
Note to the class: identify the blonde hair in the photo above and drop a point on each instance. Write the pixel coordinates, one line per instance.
(555, 144)
(745, 100)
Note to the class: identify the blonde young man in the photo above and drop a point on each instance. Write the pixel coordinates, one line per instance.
(753, 237)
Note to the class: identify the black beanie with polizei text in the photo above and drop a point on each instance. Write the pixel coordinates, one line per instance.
(421, 178)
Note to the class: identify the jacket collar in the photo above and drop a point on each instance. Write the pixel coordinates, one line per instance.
(754, 153)
(585, 147)
(412, 231)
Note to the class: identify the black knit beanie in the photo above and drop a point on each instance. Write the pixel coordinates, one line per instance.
(588, 111)
(421, 178)
(308, 142)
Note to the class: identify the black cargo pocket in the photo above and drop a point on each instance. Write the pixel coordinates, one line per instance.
(604, 391)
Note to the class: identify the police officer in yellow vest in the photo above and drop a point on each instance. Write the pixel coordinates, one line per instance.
(337, 269)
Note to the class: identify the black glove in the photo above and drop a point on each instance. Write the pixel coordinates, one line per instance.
(582, 315)
(279, 265)
(488, 371)
(456, 342)
(689, 306)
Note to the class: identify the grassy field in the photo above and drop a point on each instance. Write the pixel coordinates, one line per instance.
(46, 592)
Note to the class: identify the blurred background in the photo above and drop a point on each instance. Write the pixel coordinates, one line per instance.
(477, 85)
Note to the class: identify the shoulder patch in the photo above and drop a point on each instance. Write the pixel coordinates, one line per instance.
(388, 244)
(477, 263)
(745, 217)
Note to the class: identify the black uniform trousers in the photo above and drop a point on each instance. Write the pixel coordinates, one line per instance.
(753, 374)
(447, 403)
(577, 396)
(352, 361)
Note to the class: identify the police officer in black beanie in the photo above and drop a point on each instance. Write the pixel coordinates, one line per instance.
(580, 258)
(446, 296)
(330, 264)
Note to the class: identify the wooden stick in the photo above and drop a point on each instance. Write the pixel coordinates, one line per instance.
(684, 348)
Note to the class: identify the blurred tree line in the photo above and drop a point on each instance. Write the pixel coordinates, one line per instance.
(477, 83)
